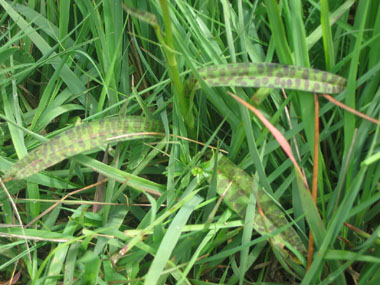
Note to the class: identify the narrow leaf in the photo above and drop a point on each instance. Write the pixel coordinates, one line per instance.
(147, 17)
(272, 75)
(79, 139)
(170, 240)
(275, 132)
(351, 110)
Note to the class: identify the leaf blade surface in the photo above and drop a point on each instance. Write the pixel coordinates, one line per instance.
(79, 139)
(273, 75)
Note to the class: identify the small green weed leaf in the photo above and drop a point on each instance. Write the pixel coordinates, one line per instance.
(81, 138)
(272, 75)
(236, 186)
(23, 57)
(6, 53)
(91, 263)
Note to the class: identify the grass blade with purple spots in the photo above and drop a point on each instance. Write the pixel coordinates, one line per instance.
(239, 186)
(79, 139)
(272, 75)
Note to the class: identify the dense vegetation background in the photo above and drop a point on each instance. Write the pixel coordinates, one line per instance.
(148, 210)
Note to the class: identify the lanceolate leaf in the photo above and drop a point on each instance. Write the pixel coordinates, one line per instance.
(79, 139)
(240, 185)
(272, 75)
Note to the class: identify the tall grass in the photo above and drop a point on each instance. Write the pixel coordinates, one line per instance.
(152, 211)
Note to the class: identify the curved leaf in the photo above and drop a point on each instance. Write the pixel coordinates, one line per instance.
(236, 186)
(272, 75)
(81, 138)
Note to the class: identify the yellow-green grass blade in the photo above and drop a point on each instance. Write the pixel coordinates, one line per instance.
(239, 185)
(80, 139)
(273, 75)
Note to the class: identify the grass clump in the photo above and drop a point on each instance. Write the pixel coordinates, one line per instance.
(196, 188)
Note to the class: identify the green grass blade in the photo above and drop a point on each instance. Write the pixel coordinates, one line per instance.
(335, 226)
(350, 100)
(6, 53)
(69, 77)
(167, 42)
(272, 75)
(64, 18)
(65, 60)
(314, 37)
(170, 240)
(134, 181)
(278, 32)
(310, 210)
(227, 20)
(92, 263)
(247, 234)
(327, 35)
(79, 139)
(298, 35)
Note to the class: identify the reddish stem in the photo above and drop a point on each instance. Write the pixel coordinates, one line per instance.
(315, 177)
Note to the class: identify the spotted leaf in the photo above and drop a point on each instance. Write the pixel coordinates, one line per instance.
(272, 75)
(81, 138)
(236, 186)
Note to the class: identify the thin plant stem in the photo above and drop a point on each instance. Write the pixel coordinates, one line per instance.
(315, 177)
(173, 67)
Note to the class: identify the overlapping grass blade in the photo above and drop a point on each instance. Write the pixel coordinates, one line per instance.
(170, 240)
(67, 75)
(79, 139)
(167, 41)
(92, 59)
